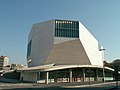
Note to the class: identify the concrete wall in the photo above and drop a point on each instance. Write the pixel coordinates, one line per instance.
(68, 53)
(42, 42)
(90, 45)
(6, 60)
(29, 76)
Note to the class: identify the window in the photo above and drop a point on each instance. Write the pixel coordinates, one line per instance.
(77, 25)
(67, 29)
(67, 33)
(29, 48)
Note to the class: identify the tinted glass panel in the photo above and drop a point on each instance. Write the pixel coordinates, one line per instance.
(66, 29)
(29, 48)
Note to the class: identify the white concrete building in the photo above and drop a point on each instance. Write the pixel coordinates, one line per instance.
(62, 42)
(66, 49)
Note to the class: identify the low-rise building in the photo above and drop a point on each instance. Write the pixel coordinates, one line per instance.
(3, 61)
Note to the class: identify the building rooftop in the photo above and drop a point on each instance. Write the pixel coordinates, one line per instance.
(2, 57)
(51, 67)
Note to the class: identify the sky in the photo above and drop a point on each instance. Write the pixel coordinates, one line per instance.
(100, 17)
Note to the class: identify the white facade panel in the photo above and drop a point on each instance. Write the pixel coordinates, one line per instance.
(42, 42)
(90, 45)
(6, 60)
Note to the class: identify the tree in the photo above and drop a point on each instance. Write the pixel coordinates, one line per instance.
(116, 64)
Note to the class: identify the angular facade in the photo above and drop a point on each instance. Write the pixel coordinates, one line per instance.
(64, 51)
(62, 42)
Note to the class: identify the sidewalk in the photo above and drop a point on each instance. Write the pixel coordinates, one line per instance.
(93, 84)
(85, 84)
(75, 84)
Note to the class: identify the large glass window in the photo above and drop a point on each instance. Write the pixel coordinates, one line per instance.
(67, 33)
(29, 48)
(66, 29)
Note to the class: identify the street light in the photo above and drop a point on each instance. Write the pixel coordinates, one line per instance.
(103, 64)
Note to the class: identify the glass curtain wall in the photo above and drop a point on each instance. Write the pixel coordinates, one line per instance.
(29, 48)
(68, 29)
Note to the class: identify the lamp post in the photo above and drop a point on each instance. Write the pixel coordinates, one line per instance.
(103, 64)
